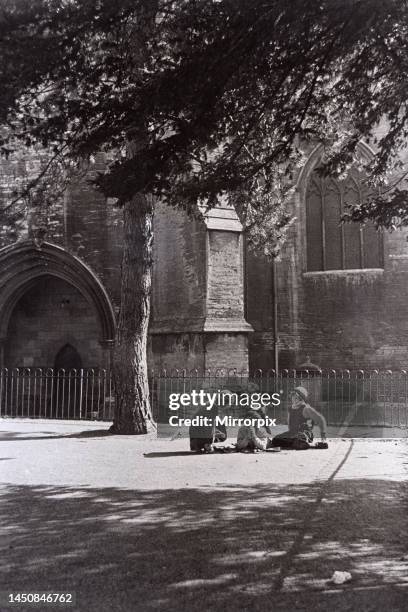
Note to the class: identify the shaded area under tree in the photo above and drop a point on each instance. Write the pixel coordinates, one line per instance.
(232, 547)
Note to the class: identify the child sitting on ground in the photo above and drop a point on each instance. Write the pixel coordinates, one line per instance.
(253, 438)
(301, 419)
(203, 437)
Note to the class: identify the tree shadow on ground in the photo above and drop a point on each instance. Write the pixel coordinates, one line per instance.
(15, 436)
(158, 454)
(264, 547)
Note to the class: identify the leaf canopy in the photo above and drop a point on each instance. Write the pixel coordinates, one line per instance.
(214, 98)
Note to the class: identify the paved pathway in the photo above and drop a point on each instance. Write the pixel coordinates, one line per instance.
(136, 523)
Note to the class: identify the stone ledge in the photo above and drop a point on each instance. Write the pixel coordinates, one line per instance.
(184, 326)
(227, 325)
(357, 271)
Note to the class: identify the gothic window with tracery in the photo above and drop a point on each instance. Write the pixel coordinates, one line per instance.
(332, 245)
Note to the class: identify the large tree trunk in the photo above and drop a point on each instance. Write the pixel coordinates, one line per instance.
(132, 412)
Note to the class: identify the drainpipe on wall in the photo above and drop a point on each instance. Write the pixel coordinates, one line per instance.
(275, 318)
(2, 345)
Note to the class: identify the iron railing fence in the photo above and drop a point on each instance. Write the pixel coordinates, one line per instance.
(56, 394)
(344, 397)
(358, 397)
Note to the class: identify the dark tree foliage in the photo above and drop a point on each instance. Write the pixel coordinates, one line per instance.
(223, 91)
(203, 100)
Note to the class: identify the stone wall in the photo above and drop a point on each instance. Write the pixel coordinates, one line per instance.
(94, 229)
(198, 292)
(225, 298)
(53, 312)
(179, 273)
(341, 319)
(197, 296)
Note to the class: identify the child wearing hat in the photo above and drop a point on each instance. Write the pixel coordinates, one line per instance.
(301, 420)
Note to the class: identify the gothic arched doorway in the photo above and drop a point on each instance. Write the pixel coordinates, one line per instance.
(54, 313)
(67, 359)
(53, 298)
(68, 383)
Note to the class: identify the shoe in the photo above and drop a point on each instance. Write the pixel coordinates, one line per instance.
(300, 445)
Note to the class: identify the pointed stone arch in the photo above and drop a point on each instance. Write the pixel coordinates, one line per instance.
(365, 152)
(68, 358)
(314, 158)
(22, 264)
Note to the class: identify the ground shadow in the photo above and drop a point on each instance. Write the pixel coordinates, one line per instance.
(15, 436)
(171, 454)
(264, 547)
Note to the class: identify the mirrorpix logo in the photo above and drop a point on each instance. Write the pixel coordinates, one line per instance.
(208, 405)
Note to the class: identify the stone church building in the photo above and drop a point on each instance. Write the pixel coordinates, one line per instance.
(338, 293)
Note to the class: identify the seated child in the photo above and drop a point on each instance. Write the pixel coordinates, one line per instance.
(203, 437)
(301, 420)
(252, 438)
